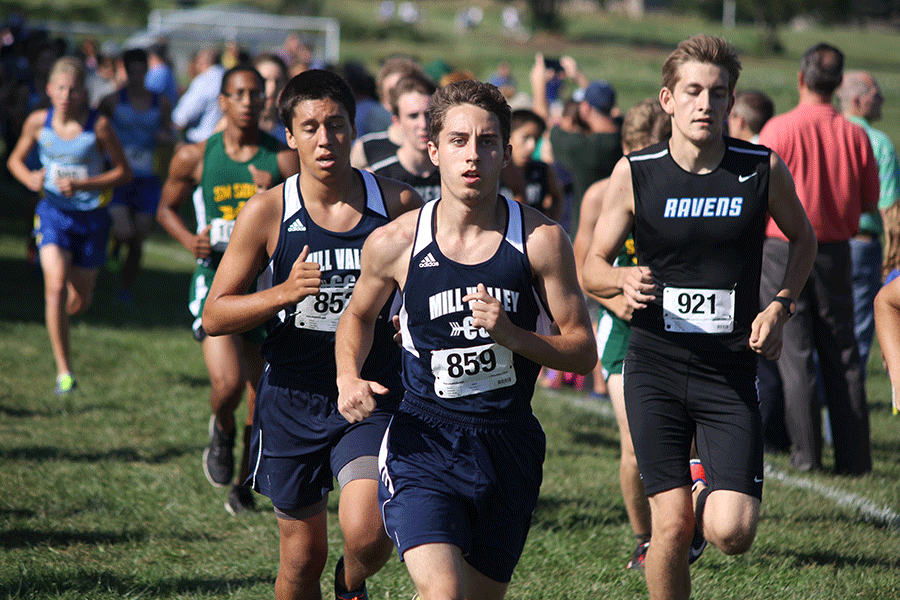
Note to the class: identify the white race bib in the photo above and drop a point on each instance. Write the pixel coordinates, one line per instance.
(62, 171)
(465, 371)
(219, 233)
(322, 311)
(694, 310)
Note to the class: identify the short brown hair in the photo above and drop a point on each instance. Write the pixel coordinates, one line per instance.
(395, 64)
(468, 91)
(755, 107)
(702, 48)
(414, 82)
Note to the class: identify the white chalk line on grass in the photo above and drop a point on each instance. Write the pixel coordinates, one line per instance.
(868, 509)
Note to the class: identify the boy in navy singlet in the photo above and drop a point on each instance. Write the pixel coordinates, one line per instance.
(227, 169)
(461, 463)
(305, 236)
(697, 205)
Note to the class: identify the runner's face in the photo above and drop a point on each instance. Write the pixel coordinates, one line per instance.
(699, 103)
(243, 100)
(322, 136)
(411, 119)
(470, 153)
(65, 93)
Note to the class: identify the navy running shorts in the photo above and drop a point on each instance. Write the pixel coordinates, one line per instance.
(141, 193)
(671, 393)
(83, 233)
(467, 481)
(300, 441)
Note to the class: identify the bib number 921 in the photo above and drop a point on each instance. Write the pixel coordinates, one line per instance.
(692, 310)
(696, 304)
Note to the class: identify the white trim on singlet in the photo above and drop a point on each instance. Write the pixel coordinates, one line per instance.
(424, 235)
(374, 200)
(659, 154)
(385, 162)
(292, 202)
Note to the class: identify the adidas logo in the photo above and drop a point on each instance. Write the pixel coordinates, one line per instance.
(428, 261)
(297, 226)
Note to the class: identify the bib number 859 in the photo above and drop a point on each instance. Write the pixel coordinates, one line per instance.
(471, 363)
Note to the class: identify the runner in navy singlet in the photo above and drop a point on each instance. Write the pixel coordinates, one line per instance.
(305, 236)
(461, 462)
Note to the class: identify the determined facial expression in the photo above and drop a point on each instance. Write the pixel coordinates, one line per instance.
(322, 135)
(699, 103)
(469, 153)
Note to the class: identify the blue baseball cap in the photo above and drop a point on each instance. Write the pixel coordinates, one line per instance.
(601, 95)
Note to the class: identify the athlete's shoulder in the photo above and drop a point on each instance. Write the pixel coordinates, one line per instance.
(187, 160)
(36, 120)
(393, 240)
(264, 206)
(540, 230)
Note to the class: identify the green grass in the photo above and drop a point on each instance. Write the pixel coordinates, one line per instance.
(102, 495)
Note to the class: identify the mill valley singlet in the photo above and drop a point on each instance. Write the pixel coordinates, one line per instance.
(225, 187)
(446, 360)
(300, 339)
(702, 237)
(78, 158)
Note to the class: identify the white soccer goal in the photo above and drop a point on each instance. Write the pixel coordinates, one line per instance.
(188, 30)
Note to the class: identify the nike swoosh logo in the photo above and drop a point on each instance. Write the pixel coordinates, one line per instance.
(758, 479)
(743, 178)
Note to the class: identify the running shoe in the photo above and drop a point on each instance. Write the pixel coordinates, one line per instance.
(240, 500)
(65, 384)
(698, 544)
(218, 458)
(340, 591)
(637, 559)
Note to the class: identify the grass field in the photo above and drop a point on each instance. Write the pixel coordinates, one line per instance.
(102, 495)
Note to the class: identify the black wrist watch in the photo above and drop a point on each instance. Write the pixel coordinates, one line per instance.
(789, 305)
